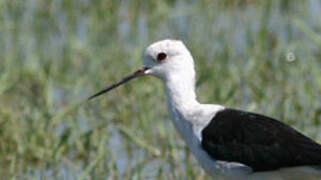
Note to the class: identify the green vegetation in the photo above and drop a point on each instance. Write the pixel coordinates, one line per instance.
(262, 56)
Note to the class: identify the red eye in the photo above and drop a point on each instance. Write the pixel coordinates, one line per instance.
(161, 56)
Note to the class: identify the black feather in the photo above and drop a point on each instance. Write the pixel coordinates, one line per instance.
(258, 141)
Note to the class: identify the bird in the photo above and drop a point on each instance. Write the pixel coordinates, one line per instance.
(228, 143)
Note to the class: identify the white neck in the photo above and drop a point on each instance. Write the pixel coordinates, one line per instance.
(181, 92)
(186, 112)
(182, 103)
(188, 115)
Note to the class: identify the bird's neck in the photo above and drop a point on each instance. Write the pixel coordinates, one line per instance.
(187, 114)
(180, 91)
(183, 106)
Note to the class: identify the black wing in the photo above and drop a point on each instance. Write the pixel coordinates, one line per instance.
(257, 141)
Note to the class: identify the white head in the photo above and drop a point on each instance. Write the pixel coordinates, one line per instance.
(166, 59)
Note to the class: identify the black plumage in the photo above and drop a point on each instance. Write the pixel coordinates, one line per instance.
(258, 141)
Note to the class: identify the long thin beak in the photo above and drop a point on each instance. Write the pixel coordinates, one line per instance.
(138, 73)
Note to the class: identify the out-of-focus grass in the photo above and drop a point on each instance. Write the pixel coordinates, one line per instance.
(257, 56)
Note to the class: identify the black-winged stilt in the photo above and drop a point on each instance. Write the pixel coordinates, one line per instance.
(227, 142)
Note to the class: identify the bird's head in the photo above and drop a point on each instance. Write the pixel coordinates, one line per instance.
(163, 59)
(168, 58)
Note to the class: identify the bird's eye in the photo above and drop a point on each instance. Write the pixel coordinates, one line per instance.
(161, 57)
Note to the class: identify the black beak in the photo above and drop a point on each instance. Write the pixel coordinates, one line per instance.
(138, 73)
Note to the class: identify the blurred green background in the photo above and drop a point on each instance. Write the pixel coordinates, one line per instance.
(261, 56)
